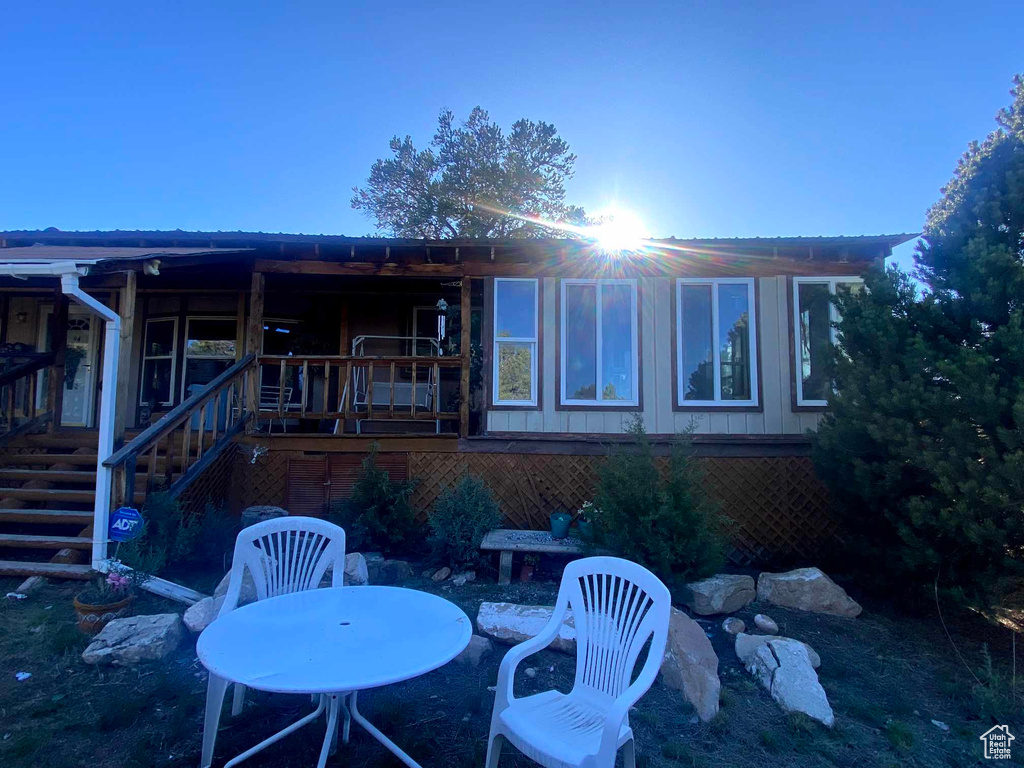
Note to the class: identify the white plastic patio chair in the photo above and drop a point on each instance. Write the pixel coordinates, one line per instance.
(617, 606)
(285, 555)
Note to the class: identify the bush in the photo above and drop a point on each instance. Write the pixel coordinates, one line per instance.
(378, 515)
(173, 536)
(459, 521)
(667, 523)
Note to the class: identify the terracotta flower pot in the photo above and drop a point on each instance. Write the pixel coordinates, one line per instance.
(93, 618)
(526, 573)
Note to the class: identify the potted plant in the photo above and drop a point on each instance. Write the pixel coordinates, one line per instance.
(584, 520)
(107, 598)
(529, 564)
(560, 522)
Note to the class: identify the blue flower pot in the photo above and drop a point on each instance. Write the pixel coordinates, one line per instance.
(560, 522)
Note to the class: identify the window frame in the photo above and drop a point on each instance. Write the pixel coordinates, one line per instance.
(833, 317)
(534, 341)
(567, 403)
(754, 402)
(184, 346)
(146, 358)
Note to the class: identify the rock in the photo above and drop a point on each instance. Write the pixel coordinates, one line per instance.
(460, 579)
(746, 645)
(246, 595)
(138, 638)
(766, 624)
(783, 667)
(691, 665)
(356, 572)
(372, 556)
(530, 672)
(388, 572)
(442, 573)
(258, 514)
(511, 624)
(733, 625)
(478, 648)
(806, 589)
(723, 593)
(199, 616)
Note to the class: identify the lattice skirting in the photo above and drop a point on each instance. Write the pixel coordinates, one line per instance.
(779, 510)
(214, 485)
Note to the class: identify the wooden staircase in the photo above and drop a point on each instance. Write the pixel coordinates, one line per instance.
(47, 493)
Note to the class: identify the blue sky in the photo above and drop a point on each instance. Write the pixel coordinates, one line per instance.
(707, 119)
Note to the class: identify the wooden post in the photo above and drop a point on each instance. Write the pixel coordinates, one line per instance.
(126, 307)
(254, 345)
(465, 317)
(55, 382)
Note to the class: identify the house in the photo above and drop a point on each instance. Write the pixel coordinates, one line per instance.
(259, 368)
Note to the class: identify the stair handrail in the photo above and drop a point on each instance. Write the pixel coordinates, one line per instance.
(28, 372)
(124, 460)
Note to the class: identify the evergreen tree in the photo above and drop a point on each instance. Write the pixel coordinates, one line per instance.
(923, 445)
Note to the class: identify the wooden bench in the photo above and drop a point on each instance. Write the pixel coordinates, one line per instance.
(507, 541)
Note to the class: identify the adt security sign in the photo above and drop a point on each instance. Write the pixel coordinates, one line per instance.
(125, 524)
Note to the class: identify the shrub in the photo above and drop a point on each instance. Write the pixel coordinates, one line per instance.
(378, 515)
(667, 523)
(459, 521)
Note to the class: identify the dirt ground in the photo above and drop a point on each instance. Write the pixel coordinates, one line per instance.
(887, 676)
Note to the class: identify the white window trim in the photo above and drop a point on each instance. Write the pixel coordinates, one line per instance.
(634, 323)
(532, 341)
(833, 318)
(716, 351)
(173, 356)
(185, 357)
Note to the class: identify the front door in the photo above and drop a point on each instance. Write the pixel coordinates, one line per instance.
(80, 363)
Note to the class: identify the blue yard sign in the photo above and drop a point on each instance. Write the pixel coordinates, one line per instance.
(125, 524)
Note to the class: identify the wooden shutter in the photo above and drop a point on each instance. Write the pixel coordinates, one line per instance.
(307, 487)
(344, 470)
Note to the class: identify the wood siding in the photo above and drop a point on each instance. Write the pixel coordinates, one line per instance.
(775, 416)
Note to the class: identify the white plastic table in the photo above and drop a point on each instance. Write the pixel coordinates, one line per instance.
(332, 642)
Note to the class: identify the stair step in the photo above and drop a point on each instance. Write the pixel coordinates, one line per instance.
(49, 459)
(52, 570)
(71, 439)
(50, 475)
(27, 541)
(47, 494)
(46, 516)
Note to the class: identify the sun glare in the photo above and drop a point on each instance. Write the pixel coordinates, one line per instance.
(619, 230)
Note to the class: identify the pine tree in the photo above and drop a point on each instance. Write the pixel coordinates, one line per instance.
(923, 446)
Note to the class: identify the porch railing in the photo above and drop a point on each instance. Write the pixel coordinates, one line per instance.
(19, 387)
(343, 388)
(187, 439)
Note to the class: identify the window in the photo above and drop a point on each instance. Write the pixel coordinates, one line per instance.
(600, 364)
(515, 341)
(814, 319)
(716, 342)
(209, 350)
(158, 362)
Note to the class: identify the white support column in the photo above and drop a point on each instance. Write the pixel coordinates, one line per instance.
(108, 398)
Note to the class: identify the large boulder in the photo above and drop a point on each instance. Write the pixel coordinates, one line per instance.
(723, 593)
(356, 572)
(124, 642)
(747, 645)
(478, 648)
(388, 572)
(806, 589)
(199, 616)
(260, 514)
(783, 667)
(246, 595)
(511, 624)
(691, 665)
